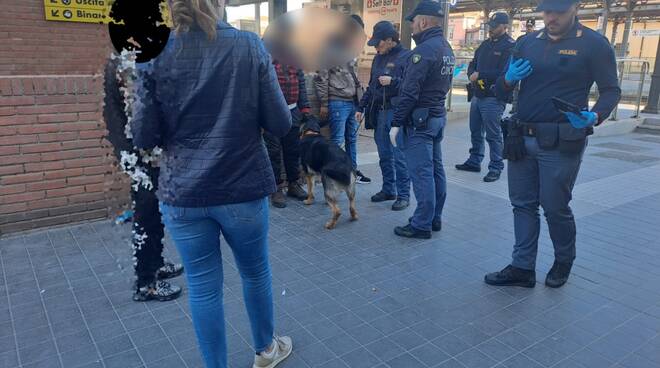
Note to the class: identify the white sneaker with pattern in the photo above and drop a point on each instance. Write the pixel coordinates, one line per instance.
(282, 347)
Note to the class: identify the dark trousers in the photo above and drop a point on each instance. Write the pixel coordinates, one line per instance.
(148, 232)
(285, 150)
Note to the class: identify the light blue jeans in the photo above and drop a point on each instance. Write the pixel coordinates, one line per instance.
(344, 127)
(196, 234)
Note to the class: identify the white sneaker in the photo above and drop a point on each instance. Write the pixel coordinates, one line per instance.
(282, 347)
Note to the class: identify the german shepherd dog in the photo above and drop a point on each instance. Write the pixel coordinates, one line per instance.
(322, 158)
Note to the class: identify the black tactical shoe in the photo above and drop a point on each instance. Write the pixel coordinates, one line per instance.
(558, 274)
(492, 176)
(400, 204)
(410, 232)
(169, 270)
(159, 290)
(296, 191)
(468, 167)
(512, 276)
(435, 226)
(382, 197)
(278, 199)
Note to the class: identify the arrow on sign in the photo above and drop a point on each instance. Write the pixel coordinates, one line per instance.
(55, 13)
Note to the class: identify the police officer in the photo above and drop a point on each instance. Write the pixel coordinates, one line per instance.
(530, 25)
(544, 146)
(420, 110)
(489, 62)
(386, 72)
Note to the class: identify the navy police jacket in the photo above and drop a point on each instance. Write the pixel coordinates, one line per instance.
(205, 103)
(391, 64)
(427, 77)
(491, 60)
(566, 68)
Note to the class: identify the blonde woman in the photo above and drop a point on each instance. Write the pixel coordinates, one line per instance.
(205, 100)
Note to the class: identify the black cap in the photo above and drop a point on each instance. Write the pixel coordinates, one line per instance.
(497, 19)
(382, 31)
(530, 22)
(556, 5)
(427, 7)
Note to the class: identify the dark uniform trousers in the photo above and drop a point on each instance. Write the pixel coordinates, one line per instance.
(423, 154)
(286, 150)
(546, 178)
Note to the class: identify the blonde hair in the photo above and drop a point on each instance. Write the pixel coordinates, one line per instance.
(202, 13)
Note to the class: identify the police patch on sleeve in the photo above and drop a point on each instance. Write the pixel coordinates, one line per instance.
(416, 58)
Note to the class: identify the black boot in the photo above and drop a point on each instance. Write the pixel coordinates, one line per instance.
(169, 270)
(410, 232)
(435, 226)
(382, 197)
(512, 276)
(558, 274)
(400, 204)
(468, 167)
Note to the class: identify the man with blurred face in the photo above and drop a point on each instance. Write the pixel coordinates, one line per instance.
(420, 110)
(386, 74)
(546, 139)
(489, 62)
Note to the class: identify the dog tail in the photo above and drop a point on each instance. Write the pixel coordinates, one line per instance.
(339, 172)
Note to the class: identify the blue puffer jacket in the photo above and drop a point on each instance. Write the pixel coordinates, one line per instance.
(205, 103)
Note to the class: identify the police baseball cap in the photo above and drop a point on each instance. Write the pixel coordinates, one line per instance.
(382, 31)
(556, 5)
(497, 19)
(427, 7)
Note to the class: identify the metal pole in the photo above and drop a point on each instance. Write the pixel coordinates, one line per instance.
(645, 68)
(605, 14)
(626, 28)
(621, 71)
(654, 93)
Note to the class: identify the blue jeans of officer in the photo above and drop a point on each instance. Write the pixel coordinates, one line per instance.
(196, 234)
(545, 178)
(424, 158)
(344, 126)
(396, 180)
(485, 116)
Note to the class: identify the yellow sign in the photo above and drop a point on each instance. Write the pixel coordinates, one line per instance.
(88, 11)
(78, 15)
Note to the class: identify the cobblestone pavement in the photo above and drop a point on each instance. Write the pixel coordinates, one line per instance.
(360, 297)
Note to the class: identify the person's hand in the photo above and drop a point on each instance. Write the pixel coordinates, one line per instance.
(474, 76)
(518, 70)
(385, 80)
(323, 113)
(584, 120)
(359, 116)
(394, 131)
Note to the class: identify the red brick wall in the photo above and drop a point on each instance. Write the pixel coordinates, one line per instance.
(55, 166)
(31, 45)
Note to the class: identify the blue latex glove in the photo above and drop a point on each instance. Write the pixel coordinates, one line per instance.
(585, 119)
(518, 70)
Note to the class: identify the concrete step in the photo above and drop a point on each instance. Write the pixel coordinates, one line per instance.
(649, 126)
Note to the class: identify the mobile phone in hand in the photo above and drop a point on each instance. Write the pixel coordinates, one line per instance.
(565, 106)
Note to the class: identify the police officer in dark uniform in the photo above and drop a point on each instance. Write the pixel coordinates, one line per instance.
(420, 110)
(544, 145)
(530, 25)
(386, 73)
(490, 61)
